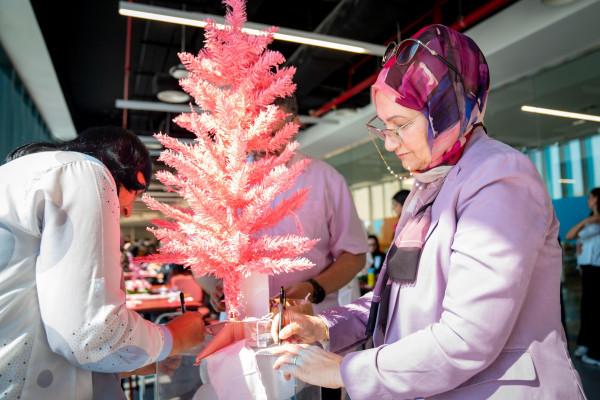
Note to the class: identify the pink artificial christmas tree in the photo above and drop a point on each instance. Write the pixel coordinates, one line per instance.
(234, 80)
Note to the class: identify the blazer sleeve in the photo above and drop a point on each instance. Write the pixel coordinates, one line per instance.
(79, 277)
(503, 216)
(347, 324)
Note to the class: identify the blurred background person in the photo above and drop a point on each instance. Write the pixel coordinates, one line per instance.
(587, 233)
(375, 254)
(397, 203)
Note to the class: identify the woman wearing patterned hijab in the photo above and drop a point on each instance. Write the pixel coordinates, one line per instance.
(466, 305)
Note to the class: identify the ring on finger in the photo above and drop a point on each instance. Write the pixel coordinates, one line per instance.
(294, 360)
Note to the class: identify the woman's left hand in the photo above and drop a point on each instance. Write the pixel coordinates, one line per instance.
(310, 364)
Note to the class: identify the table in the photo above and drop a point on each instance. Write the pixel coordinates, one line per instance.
(161, 288)
(147, 302)
(142, 274)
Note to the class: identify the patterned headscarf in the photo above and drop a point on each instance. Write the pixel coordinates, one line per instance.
(428, 85)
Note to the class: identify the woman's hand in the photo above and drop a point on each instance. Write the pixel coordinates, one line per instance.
(310, 364)
(299, 328)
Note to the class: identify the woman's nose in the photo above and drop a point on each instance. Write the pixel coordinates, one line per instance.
(391, 144)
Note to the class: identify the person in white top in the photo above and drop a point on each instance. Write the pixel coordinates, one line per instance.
(65, 331)
(587, 233)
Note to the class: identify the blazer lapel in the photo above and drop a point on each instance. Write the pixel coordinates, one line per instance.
(438, 205)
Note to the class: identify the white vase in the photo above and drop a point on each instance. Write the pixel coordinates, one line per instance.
(255, 296)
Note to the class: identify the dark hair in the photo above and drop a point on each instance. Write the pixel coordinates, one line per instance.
(376, 240)
(401, 196)
(119, 149)
(596, 193)
(289, 104)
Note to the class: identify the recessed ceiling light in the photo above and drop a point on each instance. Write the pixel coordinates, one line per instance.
(556, 2)
(196, 19)
(559, 113)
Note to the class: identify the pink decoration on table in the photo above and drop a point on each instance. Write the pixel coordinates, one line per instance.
(135, 267)
(137, 285)
(234, 80)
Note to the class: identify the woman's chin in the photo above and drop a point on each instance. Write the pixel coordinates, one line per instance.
(407, 165)
(414, 165)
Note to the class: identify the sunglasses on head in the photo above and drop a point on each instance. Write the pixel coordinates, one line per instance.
(406, 50)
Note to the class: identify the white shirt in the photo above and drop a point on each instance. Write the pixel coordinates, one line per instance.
(589, 237)
(329, 215)
(64, 328)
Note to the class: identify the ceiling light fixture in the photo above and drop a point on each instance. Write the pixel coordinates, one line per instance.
(168, 90)
(553, 3)
(291, 35)
(178, 71)
(185, 108)
(172, 96)
(558, 113)
(154, 106)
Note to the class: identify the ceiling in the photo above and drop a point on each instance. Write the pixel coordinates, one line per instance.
(87, 44)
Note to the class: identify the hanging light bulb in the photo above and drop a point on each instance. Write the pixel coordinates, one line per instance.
(168, 90)
(178, 71)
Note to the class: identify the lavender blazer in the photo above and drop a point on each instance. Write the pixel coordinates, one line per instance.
(482, 319)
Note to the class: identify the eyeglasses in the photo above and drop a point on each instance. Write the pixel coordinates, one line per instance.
(381, 134)
(406, 50)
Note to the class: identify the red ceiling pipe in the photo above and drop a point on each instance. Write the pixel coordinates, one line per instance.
(353, 91)
(346, 95)
(127, 68)
(459, 25)
(353, 68)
